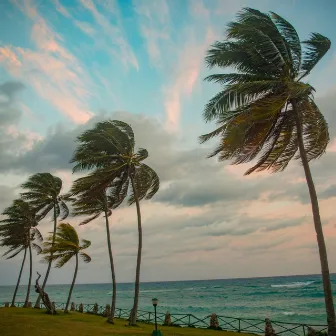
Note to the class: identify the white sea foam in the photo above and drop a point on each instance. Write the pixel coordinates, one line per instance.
(294, 284)
(289, 313)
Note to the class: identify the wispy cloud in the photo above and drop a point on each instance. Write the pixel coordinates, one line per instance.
(52, 70)
(188, 68)
(113, 33)
(180, 61)
(61, 9)
(154, 27)
(85, 27)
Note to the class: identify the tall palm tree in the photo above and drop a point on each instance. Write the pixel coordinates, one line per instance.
(18, 231)
(265, 110)
(109, 150)
(99, 203)
(43, 191)
(63, 247)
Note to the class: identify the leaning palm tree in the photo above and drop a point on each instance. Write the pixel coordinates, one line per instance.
(18, 231)
(92, 207)
(265, 110)
(109, 150)
(43, 191)
(63, 247)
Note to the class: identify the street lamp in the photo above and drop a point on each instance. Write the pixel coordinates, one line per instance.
(155, 332)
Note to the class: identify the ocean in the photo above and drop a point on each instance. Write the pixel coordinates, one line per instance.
(288, 299)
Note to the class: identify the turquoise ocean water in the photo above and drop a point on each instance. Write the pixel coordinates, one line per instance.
(289, 299)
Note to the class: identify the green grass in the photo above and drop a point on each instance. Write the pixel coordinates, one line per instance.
(31, 322)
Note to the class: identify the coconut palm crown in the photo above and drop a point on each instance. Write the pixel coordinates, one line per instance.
(265, 111)
(109, 150)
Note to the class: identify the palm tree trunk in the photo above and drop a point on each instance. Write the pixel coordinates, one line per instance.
(72, 286)
(114, 286)
(328, 297)
(30, 275)
(19, 279)
(38, 301)
(133, 317)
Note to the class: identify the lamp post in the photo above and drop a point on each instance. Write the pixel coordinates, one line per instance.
(155, 332)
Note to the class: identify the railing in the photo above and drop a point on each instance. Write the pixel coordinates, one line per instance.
(246, 325)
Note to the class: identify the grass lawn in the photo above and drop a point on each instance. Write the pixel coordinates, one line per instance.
(33, 322)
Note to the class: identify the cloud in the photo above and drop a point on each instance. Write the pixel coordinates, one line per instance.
(52, 70)
(61, 9)
(203, 211)
(179, 60)
(329, 192)
(7, 195)
(154, 23)
(85, 27)
(116, 39)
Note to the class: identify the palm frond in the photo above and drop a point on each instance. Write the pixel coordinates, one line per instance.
(292, 39)
(316, 47)
(86, 258)
(37, 248)
(85, 244)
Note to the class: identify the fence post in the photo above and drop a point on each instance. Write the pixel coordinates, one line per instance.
(239, 329)
(119, 312)
(149, 317)
(304, 330)
(189, 320)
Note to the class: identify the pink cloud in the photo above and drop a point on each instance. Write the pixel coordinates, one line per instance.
(54, 73)
(189, 65)
(332, 146)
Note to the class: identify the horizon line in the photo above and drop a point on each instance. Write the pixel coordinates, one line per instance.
(190, 280)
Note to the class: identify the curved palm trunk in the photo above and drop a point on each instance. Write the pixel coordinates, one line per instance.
(72, 286)
(38, 301)
(328, 297)
(114, 286)
(30, 275)
(133, 317)
(19, 279)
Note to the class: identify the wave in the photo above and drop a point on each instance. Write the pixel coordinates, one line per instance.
(294, 284)
(289, 313)
(158, 290)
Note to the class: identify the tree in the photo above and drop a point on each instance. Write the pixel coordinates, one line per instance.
(100, 203)
(63, 247)
(44, 193)
(265, 111)
(109, 150)
(18, 231)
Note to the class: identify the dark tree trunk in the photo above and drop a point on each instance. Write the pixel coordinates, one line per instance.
(328, 297)
(72, 286)
(114, 286)
(38, 301)
(19, 279)
(133, 317)
(30, 274)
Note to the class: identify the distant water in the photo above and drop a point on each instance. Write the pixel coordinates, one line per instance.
(289, 299)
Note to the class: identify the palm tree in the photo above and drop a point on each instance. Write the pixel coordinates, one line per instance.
(63, 247)
(109, 149)
(18, 231)
(44, 193)
(93, 207)
(265, 110)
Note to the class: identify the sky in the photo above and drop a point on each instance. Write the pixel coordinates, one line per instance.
(66, 64)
